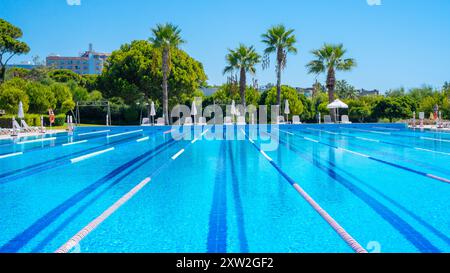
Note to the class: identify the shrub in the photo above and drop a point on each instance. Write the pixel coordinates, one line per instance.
(10, 97)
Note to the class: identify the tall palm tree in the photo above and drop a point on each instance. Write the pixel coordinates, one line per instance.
(166, 37)
(329, 59)
(281, 41)
(242, 59)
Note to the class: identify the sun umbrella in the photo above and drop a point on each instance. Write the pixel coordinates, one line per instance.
(233, 108)
(337, 104)
(286, 109)
(152, 111)
(194, 110)
(21, 114)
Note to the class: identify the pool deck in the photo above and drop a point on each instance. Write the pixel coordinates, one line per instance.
(32, 134)
(431, 127)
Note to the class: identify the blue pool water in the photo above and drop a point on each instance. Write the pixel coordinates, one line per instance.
(387, 186)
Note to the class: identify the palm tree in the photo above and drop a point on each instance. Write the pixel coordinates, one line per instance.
(242, 59)
(280, 41)
(329, 59)
(166, 37)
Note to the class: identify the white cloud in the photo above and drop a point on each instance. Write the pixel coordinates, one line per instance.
(73, 2)
(374, 2)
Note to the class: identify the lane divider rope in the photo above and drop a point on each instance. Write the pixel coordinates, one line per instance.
(76, 239)
(330, 220)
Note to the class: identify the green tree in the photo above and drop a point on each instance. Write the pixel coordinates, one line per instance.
(78, 93)
(287, 93)
(90, 82)
(64, 75)
(41, 97)
(345, 91)
(16, 72)
(359, 110)
(280, 41)
(134, 73)
(10, 96)
(95, 95)
(242, 59)
(392, 108)
(166, 37)
(329, 59)
(446, 86)
(10, 45)
(420, 93)
(63, 97)
(395, 93)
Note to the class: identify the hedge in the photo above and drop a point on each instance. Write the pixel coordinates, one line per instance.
(32, 120)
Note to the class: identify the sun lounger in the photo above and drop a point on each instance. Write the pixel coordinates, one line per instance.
(160, 122)
(27, 128)
(201, 121)
(296, 120)
(327, 119)
(4, 131)
(281, 120)
(241, 120)
(227, 121)
(187, 121)
(145, 122)
(345, 120)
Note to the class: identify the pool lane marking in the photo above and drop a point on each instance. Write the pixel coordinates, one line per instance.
(80, 235)
(353, 152)
(368, 139)
(75, 240)
(435, 139)
(289, 133)
(11, 155)
(329, 219)
(124, 133)
(432, 176)
(74, 143)
(168, 131)
(310, 139)
(94, 132)
(329, 132)
(83, 157)
(36, 140)
(177, 154)
(386, 128)
(427, 150)
(370, 131)
(142, 139)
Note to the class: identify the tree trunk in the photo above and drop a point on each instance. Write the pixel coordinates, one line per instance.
(242, 85)
(165, 71)
(331, 81)
(279, 67)
(2, 73)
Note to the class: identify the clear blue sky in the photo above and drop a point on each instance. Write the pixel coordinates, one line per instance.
(398, 43)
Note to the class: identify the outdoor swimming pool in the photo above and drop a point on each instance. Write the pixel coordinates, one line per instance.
(387, 186)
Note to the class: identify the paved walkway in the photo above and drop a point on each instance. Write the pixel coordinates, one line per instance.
(32, 134)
